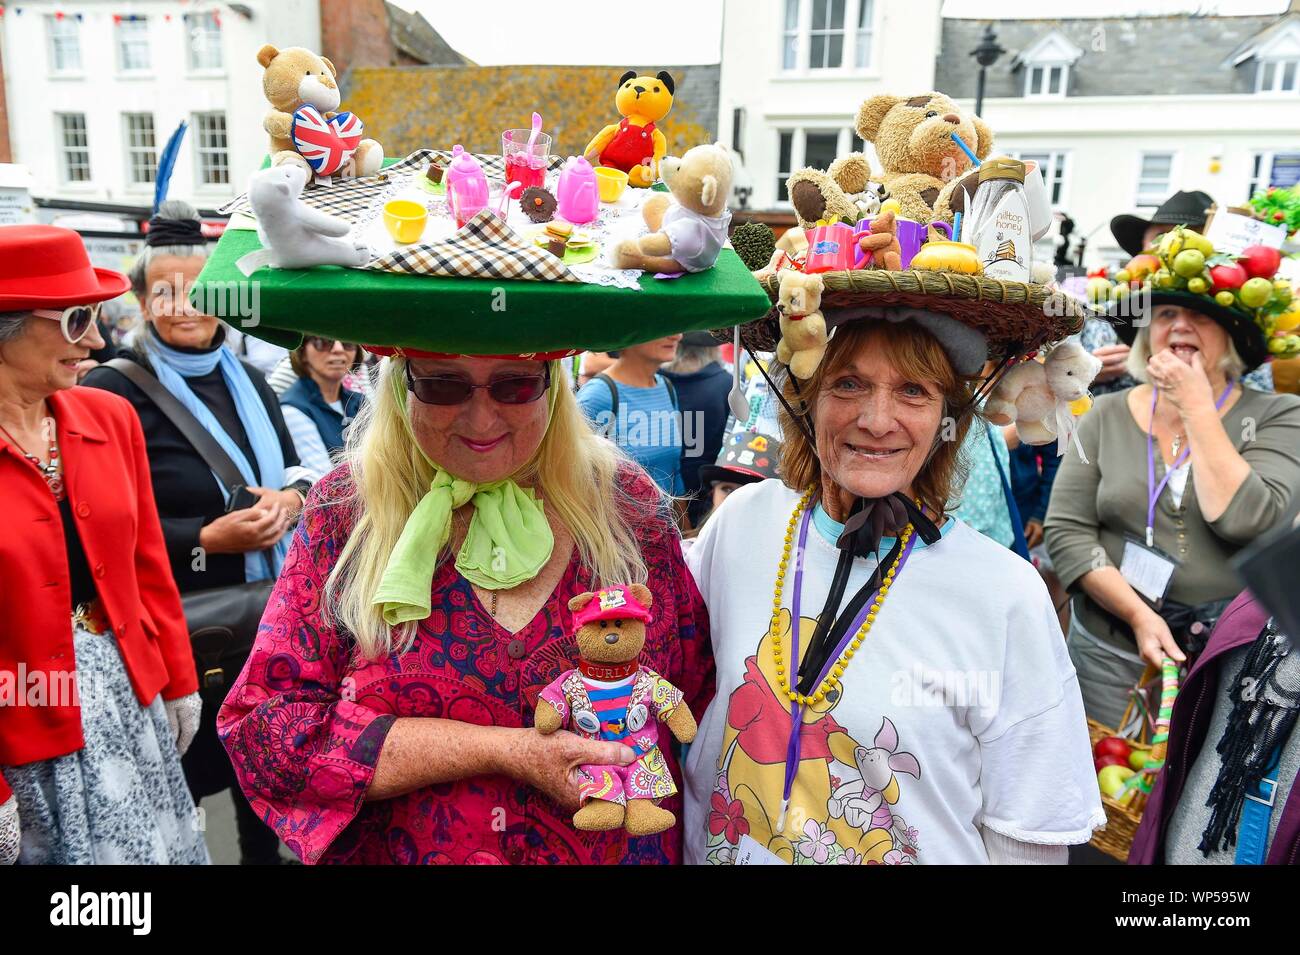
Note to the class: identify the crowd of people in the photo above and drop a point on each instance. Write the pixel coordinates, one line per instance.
(334, 581)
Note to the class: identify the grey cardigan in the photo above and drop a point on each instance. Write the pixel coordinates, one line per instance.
(1094, 505)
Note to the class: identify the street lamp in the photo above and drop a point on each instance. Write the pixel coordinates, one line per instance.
(986, 54)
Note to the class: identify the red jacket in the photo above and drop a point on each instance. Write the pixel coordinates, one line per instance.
(107, 478)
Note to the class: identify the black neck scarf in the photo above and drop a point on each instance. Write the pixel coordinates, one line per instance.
(868, 521)
(1265, 698)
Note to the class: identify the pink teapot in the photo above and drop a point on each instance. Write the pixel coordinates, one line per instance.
(577, 195)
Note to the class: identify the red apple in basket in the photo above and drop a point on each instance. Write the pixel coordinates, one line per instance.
(1260, 261)
(1113, 746)
(1110, 759)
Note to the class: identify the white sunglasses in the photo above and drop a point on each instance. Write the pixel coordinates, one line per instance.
(74, 321)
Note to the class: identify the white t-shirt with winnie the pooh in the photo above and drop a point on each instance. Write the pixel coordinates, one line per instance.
(960, 714)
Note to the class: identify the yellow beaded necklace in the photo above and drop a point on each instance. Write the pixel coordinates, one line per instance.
(837, 671)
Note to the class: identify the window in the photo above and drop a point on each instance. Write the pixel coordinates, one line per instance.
(75, 147)
(203, 41)
(820, 149)
(738, 131)
(210, 146)
(790, 36)
(141, 149)
(1277, 76)
(826, 36)
(133, 43)
(1052, 166)
(65, 45)
(1154, 178)
(785, 164)
(862, 41)
(1046, 80)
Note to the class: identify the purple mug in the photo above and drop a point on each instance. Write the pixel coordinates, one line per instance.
(911, 236)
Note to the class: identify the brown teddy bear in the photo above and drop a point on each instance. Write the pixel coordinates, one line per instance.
(610, 696)
(847, 189)
(881, 243)
(320, 139)
(921, 166)
(803, 327)
(689, 228)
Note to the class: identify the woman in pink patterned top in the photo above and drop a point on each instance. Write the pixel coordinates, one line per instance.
(385, 714)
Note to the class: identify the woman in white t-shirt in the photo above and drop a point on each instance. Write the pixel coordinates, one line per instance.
(939, 716)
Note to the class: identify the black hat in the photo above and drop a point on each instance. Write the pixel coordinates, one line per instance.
(746, 457)
(1182, 208)
(1246, 336)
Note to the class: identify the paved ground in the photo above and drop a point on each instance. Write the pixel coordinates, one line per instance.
(223, 842)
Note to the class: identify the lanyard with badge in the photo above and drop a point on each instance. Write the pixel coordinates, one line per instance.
(1147, 568)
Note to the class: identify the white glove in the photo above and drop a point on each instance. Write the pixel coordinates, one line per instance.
(183, 718)
(10, 832)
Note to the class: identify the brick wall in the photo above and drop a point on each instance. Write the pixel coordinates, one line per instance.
(406, 108)
(355, 33)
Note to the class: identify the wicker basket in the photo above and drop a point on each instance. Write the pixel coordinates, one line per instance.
(1015, 317)
(1122, 818)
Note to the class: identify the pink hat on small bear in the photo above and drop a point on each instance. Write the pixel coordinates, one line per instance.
(611, 603)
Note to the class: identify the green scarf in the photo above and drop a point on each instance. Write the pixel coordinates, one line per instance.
(509, 539)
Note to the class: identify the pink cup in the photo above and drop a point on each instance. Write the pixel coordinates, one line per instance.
(911, 236)
(830, 248)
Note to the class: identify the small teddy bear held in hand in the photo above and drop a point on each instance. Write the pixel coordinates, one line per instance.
(688, 229)
(303, 124)
(803, 327)
(293, 234)
(611, 697)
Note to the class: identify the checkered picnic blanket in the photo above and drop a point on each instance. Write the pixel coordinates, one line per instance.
(485, 248)
(349, 199)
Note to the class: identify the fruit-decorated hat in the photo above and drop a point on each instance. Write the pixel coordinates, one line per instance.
(748, 456)
(1239, 292)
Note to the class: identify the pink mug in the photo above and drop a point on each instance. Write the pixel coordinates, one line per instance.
(911, 235)
(830, 248)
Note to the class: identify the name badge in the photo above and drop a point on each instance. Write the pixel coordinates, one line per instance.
(1148, 570)
(749, 852)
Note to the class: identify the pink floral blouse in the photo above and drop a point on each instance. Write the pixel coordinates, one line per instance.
(306, 719)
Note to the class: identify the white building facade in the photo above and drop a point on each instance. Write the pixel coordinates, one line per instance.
(95, 90)
(1120, 114)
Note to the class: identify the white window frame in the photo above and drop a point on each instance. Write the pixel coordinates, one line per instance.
(1277, 69)
(1058, 159)
(1139, 199)
(208, 26)
(827, 33)
(66, 150)
(131, 23)
(141, 147)
(1042, 88)
(72, 31)
(799, 152)
(205, 152)
(852, 37)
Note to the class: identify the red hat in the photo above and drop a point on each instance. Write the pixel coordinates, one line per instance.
(43, 266)
(612, 603)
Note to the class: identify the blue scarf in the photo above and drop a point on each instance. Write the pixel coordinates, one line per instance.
(172, 367)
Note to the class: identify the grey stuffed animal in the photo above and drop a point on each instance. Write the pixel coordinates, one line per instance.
(293, 234)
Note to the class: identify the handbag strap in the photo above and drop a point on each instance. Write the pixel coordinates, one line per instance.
(188, 425)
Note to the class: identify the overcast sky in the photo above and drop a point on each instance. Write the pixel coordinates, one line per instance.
(687, 31)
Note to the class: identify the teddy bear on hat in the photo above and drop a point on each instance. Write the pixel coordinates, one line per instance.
(633, 144)
(688, 229)
(1036, 396)
(610, 696)
(303, 122)
(922, 167)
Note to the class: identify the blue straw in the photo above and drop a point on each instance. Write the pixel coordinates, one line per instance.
(956, 227)
(966, 149)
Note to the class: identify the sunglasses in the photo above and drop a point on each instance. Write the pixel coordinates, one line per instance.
(456, 389)
(327, 344)
(74, 321)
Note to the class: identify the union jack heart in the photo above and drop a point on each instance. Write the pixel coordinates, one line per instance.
(326, 144)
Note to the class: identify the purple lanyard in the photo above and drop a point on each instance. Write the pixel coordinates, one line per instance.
(1154, 490)
(795, 744)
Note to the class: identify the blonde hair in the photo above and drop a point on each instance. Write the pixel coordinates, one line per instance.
(918, 356)
(574, 471)
(1231, 364)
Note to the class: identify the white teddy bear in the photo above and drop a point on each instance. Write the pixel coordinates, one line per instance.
(293, 234)
(1036, 396)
